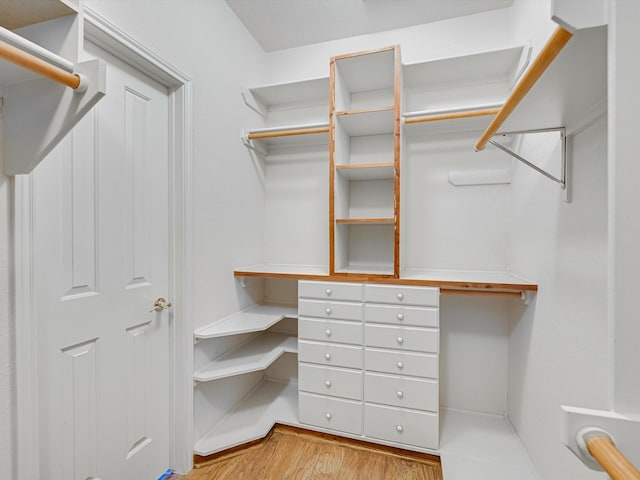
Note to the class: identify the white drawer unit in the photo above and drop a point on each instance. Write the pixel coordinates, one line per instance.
(402, 338)
(401, 363)
(402, 315)
(330, 413)
(402, 295)
(326, 309)
(336, 382)
(368, 361)
(330, 290)
(329, 354)
(406, 392)
(330, 330)
(398, 425)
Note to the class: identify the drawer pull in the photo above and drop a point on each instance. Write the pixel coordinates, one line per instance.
(400, 317)
(328, 383)
(400, 393)
(399, 428)
(328, 332)
(327, 311)
(400, 296)
(328, 292)
(400, 365)
(400, 340)
(327, 416)
(327, 356)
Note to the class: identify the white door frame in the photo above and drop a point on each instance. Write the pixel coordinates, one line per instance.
(105, 35)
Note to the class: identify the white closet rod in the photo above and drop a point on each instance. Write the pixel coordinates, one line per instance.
(26, 54)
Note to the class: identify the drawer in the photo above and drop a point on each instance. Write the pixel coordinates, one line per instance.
(402, 338)
(330, 330)
(330, 354)
(330, 381)
(402, 295)
(330, 290)
(331, 413)
(401, 315)
(325, 309)
(420, 429)
(403, 392)
(401, 363)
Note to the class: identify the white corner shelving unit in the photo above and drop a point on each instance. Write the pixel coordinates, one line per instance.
(256, 318)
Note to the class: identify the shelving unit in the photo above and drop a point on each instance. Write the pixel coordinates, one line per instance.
(256, 318)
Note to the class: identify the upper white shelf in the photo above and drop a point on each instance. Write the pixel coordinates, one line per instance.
(280, 95)
(573, 89)
(256, 318)
(20, 14)
(251, 356)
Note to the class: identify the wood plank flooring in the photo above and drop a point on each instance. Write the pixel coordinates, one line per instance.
(289, 453)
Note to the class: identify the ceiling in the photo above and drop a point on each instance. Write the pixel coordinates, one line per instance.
(280, 24)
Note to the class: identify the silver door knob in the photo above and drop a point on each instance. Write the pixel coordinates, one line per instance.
(160, 304)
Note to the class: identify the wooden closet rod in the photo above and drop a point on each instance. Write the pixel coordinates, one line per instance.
(611, 459)
(548, 53)
(451, 116)
(287, 133)
(41, 67)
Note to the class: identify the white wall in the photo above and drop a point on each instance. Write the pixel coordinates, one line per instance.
(206, 41)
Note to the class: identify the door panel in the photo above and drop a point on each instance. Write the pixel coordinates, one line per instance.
(101, 259)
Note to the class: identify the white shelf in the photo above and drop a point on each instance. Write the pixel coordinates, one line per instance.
(573, 89)
(369, 72)
(254, 355)
(368, 171)
(270, 403)
(438, 127)
(256, 318)
(304, 91)
(367, 269)
(367, 122)
(470, 279)
(482, 447)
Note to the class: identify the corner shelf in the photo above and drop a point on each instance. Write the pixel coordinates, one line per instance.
(269, 403)
(254, 355)
(256, 318)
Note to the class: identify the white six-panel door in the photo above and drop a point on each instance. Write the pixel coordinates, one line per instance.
(100, 262)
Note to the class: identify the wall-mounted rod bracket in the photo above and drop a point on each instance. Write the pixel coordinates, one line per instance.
(249, 144)
(526, 296)
(562, 181)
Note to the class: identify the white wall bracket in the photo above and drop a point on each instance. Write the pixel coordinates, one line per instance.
(526, 296)
(39, 113)
(581, 423)
(253, 103)
(249, 144)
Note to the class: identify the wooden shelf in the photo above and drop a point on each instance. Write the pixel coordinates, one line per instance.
(365, 221)
(366, 171)
(256, 318)
(252, 356)
(376, 121)
(482, 282)
(270, 403)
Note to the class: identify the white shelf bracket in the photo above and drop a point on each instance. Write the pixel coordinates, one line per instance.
(249, 144)
(526, 296)
(562, 181)
(253, 103)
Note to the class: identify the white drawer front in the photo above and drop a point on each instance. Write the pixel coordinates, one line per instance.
(401, 315)
(330, 381)
(402, 338)
(404, 392)
(325, 309)
(401, 363)
(330, 354)
(402, 295)
(332, 413)
(402, 426)
(330, 330)
(330, 290)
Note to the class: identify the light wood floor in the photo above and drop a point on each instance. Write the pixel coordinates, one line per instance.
(289, 453)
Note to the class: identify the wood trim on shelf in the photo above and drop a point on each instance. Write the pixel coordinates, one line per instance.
(286, 133)
(365, 52)
(451, 116)
(364, 166)
(549, 52)
(344, 113)
(396, 159)
(449, 286)
(364, 221)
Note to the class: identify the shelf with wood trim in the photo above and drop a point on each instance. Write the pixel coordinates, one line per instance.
(375, 121)
(473, 282)
(254, 355)
(367, 171)
(365, 221)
